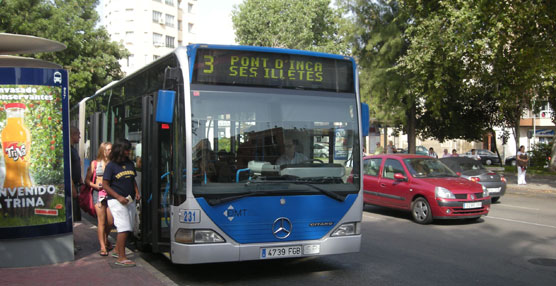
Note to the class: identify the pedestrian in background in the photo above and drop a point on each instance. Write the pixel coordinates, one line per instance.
(432, 153)
(76, 179)
(474, 155)
(93, 179)
(446, 154)
(455, 153)
(522, 160)
(390, 149)
(119, 182)
(379, 149)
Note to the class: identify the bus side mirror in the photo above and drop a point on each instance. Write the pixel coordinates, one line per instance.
(365, 119)
(165, 106)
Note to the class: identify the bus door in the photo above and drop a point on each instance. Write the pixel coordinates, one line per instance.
(92, 140)
(156, 179)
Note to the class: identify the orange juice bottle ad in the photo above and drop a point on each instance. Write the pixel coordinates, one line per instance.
(16, 143)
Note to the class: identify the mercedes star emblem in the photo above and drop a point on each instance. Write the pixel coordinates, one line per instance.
(282, 228)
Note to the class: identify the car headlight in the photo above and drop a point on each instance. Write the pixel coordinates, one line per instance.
(485, 192)
(197, 236)
(345, 229)
(443, 193)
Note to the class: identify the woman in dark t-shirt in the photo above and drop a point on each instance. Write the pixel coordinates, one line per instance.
(119, 182)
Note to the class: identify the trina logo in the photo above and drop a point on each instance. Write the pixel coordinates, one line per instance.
(15, 152)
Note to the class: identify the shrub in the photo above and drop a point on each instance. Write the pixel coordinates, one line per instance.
(540, 154)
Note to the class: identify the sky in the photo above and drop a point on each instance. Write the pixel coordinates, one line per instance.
(214, 21)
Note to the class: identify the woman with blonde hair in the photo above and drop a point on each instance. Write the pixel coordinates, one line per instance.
(94, 180)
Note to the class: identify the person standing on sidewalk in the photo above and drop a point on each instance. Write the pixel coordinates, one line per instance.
(522, 160)
(94, 180)
(76, 179)
(432, 153)
(119, 182)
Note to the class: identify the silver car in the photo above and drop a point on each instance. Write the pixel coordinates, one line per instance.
(475, 171)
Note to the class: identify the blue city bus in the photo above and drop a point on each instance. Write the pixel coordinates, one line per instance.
(242, 153)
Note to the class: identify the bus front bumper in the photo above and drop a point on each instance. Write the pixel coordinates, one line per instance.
(227, 252)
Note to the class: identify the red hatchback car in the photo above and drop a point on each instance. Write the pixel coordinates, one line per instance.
(422, 185)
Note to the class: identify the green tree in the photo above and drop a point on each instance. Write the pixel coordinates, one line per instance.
(445, 58)
(306, 25)
(481, 60)
(375, 31)
(91, 58)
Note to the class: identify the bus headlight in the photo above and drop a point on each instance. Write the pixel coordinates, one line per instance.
(345, 229)
(190, 236)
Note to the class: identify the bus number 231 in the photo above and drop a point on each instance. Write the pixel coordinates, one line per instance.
(191, 216)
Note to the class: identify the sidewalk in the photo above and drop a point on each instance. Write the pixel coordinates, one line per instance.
(88, 268)
(535, 184)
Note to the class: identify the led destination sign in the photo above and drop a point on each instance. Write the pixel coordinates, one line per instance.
(248, 68)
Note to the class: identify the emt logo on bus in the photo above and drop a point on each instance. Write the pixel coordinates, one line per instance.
(248, 68)
(231, 213)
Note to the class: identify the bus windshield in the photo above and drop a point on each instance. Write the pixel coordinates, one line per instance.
(255, 141)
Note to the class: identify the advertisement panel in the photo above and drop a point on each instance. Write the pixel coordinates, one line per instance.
(35, 196)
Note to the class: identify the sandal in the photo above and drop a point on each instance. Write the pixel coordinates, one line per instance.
(115, 255)
(103, 253)
(125, 263)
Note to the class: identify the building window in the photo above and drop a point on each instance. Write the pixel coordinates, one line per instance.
(129, 61)
(169, 20)
(190, 8)
(157, 40)
(179, 25)
(157, 16)
(160, 1)
(170, 2)
(129, 37)
(169, 42)
(155, 57)
(190, 27)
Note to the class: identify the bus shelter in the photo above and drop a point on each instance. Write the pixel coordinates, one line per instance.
(35, 187)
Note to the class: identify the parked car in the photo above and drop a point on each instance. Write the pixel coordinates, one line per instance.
(320, 150)
(511, 161)
(487, 157)
(475, 171)
(422, 150)
(422, 185)
(419, 150)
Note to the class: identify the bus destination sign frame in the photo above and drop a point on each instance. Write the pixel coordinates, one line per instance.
(277, 70)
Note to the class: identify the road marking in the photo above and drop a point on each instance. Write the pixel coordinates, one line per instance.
(510, 206)
(524, 222)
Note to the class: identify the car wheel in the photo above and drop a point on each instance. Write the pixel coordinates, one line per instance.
(494, 200)
(488, 162)
(421, 211)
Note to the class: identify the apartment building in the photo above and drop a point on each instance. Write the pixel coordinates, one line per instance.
(148, 29)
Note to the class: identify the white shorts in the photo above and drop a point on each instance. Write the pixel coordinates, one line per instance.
(124, 215)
